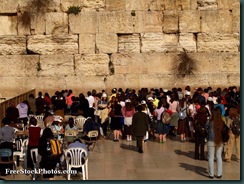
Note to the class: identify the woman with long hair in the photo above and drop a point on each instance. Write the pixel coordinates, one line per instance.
(128, 111)
(215, 143)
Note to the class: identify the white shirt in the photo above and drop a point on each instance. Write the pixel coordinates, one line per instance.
(91, 101)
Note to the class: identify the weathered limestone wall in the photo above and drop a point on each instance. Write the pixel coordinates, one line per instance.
(117, 43)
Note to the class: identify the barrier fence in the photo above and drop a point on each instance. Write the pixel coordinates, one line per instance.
(16, 100)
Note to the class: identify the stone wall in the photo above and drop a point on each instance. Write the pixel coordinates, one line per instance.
(117, 43)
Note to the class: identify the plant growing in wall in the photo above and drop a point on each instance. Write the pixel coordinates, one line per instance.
(185, 65)
(74, 10)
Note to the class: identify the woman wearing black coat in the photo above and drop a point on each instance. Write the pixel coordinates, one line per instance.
(47, 162)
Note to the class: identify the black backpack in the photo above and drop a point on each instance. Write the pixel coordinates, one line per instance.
(225, 133)
(235, 127)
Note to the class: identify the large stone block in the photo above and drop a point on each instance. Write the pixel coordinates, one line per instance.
(148, 21)
(65, 4)
(207, 5)
(159, 42)
(216, 21)
(217, 63)
(236, 21)
(56, 23)
(87, 43)
(12, 45)
(189, 21)
(115, 22)
(186, 4)
(8, 25)
(218, 42)
(38, 24)
(230, 67)
(129, 43)
(106, 43)
(143, 63)
(56, 65)
(170, 22)
(51, 44)
(38, 7)
(83, 23)
(8, 6)
(144, 5)
(115, 5)
(90, 83)
(229, 4)
(11, 86)
(24, 23)
(21, 66)
(188, 42)
(92, 64)
(93, 4)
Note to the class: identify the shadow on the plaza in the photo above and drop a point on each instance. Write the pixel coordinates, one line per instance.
(196, 169)
(129, 147)
(189, 154)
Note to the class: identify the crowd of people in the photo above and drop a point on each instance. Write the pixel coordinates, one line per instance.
(197, 115)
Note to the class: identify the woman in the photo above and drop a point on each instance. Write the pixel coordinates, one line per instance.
(48, 102)
(116, 115)
(102, 108)
(192, 113)
(234, 139)
(201, 119)
(159, 129)
(47, 162)
(34, 136)
(128, 111)
(182, 122)
(71, 124)
(215, 144)
(173, 106)
(69, 101)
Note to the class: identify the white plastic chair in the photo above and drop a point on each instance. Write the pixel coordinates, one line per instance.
(73, 157)
(79, 122)
(39, 118)
(22, 151)
(93, 139)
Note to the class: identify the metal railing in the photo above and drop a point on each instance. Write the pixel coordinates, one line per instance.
(16, 100)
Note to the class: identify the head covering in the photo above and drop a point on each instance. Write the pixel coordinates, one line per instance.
(127, 100)
(150, 98)
(104, 95)
(165, 90)
(143, 102)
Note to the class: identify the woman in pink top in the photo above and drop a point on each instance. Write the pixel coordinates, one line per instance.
(173, 106)
(128, 111)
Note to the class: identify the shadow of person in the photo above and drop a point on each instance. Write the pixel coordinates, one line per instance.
(129, 147)
(189, 154)
(196, 169)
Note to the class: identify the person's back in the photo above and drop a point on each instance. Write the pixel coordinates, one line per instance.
(40, 105)
(6, 132)
(32, 104)
(12, 113)
(23, 110)
(139, 123)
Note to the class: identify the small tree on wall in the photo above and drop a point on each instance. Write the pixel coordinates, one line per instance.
(184, 65)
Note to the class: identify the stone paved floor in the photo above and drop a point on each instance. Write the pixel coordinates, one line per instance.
(172, 160)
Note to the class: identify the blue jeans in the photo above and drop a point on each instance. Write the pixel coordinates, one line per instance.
(211, 152)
